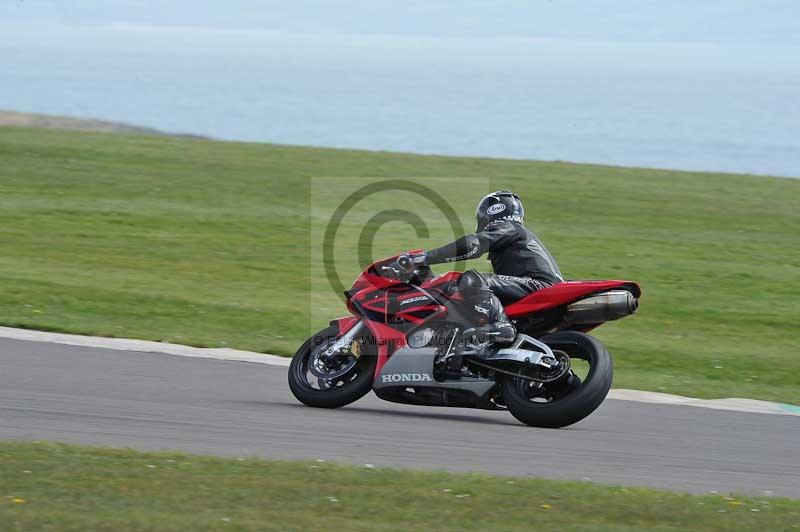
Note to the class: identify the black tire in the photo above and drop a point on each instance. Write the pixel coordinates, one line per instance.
(345, 394)
(578, 399)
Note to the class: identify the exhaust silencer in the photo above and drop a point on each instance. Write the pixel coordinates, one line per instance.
(599, 308)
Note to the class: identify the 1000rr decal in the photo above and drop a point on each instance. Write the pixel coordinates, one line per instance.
(413, 300)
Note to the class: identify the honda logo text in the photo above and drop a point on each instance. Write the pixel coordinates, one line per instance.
(406, 377)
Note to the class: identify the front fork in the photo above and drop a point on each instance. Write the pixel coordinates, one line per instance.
(344, 343)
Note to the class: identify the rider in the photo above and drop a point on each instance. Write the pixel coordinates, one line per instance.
(520, 262)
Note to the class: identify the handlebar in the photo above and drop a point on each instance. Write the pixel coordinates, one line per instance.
(402, 269)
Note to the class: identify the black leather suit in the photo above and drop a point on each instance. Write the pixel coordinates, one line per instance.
(521, 263)
(521, 266)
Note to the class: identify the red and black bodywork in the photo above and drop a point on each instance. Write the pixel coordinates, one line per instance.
(392, 309)
(407, 341)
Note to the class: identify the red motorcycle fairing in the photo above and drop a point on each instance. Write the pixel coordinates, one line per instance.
(399, 307)
(565, 293)
(388, 339)
(344, 324)
(391, 309)
(554, 296)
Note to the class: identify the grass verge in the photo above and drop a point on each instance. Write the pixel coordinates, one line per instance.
(208, 243)
(59, 487)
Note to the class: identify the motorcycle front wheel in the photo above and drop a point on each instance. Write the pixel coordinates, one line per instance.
(567, 401)
(331, 382)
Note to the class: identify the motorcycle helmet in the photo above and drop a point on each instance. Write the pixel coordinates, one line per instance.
(499, 205)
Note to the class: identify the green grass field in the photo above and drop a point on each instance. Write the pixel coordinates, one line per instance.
(57, 487)
(211, 244)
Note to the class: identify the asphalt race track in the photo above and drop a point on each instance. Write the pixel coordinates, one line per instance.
(154, 401)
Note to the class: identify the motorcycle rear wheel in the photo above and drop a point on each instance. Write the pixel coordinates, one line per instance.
(561, 404)
(354, 382)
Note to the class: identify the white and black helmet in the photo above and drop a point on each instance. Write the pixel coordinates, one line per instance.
(500, 205)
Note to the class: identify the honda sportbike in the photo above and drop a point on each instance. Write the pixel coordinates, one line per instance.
(405, 340)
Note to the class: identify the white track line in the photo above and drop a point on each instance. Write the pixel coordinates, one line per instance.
(733, 403)
(146, 346)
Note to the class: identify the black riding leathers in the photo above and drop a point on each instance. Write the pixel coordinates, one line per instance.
(521, 264)
(513, 250)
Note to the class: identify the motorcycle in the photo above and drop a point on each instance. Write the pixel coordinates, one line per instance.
(406, 341)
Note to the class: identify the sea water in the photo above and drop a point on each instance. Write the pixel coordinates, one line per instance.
(696, 106)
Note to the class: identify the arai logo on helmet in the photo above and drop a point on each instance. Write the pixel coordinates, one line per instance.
(497, 208)
(406, 377)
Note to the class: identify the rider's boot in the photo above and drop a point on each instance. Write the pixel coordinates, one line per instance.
(497, 328)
